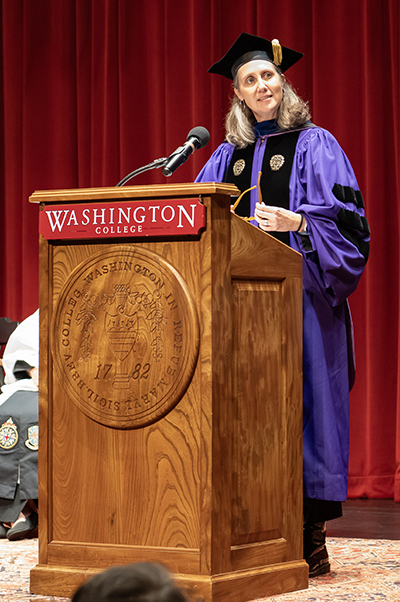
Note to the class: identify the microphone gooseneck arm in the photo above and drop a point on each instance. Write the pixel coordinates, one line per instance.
(156, 164)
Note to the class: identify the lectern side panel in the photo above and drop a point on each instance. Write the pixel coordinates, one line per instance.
(131, 486)
(258, 398)
(267, 413)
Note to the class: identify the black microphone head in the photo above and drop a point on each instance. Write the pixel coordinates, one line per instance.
(201, 134)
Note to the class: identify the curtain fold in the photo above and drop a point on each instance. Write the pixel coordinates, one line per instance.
(93, 90)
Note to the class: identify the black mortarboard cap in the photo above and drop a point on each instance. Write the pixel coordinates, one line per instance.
(249, 48)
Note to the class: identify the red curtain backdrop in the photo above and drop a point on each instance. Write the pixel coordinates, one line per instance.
(92, 89)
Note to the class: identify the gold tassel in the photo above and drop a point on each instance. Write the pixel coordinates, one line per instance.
(241, 196)
(277, 50)
(249, 219)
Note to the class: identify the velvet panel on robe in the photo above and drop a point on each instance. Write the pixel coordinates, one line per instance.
(334, 256)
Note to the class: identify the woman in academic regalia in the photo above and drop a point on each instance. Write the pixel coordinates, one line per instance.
(310, 201)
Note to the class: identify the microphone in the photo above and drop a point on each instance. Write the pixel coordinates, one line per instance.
(197, 138)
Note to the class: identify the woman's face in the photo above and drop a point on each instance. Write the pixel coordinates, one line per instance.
(261, 88)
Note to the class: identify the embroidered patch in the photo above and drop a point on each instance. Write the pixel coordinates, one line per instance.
(276, 162)
(8, 434)
(33, 438)
(239, 167)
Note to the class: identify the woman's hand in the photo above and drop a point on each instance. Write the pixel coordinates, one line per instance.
(277, 219)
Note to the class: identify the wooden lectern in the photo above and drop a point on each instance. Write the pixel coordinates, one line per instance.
(170, 393)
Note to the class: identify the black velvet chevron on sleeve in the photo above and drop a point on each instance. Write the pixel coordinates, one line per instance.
(347, 194)
(354, 227)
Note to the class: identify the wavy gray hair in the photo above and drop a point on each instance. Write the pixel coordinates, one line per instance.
(293, 112)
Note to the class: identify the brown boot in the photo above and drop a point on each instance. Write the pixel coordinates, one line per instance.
(315, 552)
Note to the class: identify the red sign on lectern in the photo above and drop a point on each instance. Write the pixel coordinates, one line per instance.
(170, 217)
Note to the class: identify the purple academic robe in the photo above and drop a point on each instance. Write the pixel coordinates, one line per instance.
(332, 266)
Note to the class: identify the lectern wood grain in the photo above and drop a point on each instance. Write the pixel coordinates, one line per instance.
(170, 404)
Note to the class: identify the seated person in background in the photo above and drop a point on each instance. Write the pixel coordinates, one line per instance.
(7, 326)
(22, 344)
(140, 582)
(19, 432)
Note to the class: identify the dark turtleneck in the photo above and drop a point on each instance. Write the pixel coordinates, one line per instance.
(265, 128)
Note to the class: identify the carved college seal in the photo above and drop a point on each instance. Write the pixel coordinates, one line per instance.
(126, 336)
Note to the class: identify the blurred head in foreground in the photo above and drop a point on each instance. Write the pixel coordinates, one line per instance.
(140, 582)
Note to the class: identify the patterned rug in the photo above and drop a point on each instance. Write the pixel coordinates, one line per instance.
(363, 570)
